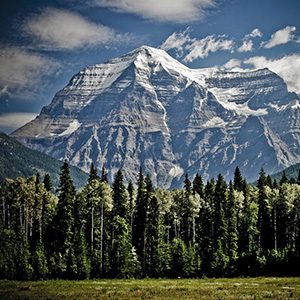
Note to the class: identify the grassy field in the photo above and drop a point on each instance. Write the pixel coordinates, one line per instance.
(237, 288)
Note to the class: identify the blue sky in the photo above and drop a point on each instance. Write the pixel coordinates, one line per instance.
(44, 43)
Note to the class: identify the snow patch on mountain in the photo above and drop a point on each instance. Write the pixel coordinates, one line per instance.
(74, 125)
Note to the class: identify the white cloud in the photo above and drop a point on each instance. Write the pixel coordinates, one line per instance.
(255, 33)
(232, 64)
(177, 41)
(179, 11)
(247, 41)
(23, 69)
(12, 121)
(282, 36)
(55, 29)
(287, 67)
(246, 47)
(202, 48)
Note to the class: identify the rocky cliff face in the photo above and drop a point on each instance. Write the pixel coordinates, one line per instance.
(145, 108)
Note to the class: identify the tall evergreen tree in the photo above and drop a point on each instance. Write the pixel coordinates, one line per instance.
(232, 228)
(93, 173)
(198, 186)
(284, 178)
(220, 258)
(186, 212)
(48, 183)
(140, 221)
(152, 237)
(131, 204)
(119, 196)
(264, 224)
(298, 177)
(238, 181)
(64, 219)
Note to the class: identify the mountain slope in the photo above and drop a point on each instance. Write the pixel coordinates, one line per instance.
(19, 161)
(145, 108)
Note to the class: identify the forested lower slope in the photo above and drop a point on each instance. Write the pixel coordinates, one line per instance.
(17, 160)
(213, 229)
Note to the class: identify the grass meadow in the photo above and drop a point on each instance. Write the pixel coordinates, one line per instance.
(234, 288)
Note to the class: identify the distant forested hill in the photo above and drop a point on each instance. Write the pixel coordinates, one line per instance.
(17, 160)
(291, 172)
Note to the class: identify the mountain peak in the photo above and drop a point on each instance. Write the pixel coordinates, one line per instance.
(146, 108)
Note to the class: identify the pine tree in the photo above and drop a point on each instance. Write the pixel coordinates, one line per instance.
(264, 225)
(198, 186)
(39, 263)
(64, 219)
(152, 236)
(284, 178)
(298, 177)
(220, 258)
(179, 258)
(93, 173)
(121, 249)
(47, 183)
(131, 204)
(207, 228)
(119, 196)
(83, 268)
(269, 182)
(140, 221)
(232, 229)
(186, 212)
(238, 180)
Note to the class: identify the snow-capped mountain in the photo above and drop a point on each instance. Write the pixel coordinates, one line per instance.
(146, 108)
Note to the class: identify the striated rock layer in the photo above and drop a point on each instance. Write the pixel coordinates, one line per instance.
(145, 108)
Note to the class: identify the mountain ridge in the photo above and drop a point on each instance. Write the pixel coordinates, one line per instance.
(147, 109)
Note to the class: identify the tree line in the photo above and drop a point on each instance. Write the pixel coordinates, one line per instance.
(117, 231)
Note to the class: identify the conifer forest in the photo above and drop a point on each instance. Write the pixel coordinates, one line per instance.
(212, 229)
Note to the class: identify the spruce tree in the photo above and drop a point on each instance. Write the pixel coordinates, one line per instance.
(121, 249)
(264, 225)
(198, 186)
(140, 221)
(131, 204)
(119, 196)
(298, 177)
(220, 258)
(186, 212)
(93, 173)
(284, 178)
(47, 183)
(238, 180)
(152, 236)
(232, 229)
(64, 219)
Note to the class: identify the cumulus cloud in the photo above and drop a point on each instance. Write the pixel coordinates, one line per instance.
(287, 67)
(177, 41)
(255, 33)
(202, 48)
(23, 69)
(247, 45)
(282, 36)
(179, 11)
(233, 64)
(55, 29)
(194, 48)
(12, 121)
